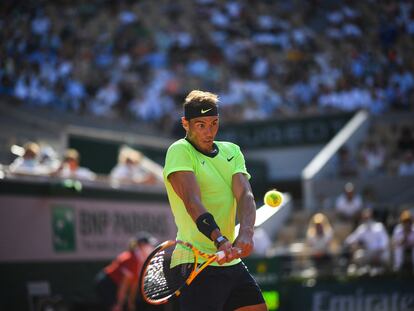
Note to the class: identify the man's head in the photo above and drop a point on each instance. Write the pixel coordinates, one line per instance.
(201, 119)
(31, 151)
(319, 219)
(406, 219)
(366, 215)
(72, 158)
(349, 190)
(129, 156)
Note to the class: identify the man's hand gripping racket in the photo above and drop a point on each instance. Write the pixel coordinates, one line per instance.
(174, 265)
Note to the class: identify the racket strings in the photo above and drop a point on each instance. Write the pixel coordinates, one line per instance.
(166, 272)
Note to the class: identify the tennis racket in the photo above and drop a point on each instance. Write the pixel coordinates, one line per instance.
(170, 267)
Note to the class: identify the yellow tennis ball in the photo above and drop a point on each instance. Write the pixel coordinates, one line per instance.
(273, 198)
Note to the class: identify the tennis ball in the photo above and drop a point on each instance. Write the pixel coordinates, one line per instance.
(273, 198)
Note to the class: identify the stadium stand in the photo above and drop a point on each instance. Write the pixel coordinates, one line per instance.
(267, 59)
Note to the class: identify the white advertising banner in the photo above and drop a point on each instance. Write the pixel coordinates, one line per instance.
(42, 228)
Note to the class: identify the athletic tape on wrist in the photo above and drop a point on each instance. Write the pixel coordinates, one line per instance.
(218, 244)
(206, 224)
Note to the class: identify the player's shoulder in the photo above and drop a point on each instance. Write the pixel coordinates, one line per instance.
(178, 145)
(226, 145)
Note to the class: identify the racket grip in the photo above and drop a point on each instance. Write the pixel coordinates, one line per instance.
(221, 254)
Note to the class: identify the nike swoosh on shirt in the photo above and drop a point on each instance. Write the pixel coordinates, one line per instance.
(204, 111)
(229, 159)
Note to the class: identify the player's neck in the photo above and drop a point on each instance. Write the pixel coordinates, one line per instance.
(212, 153)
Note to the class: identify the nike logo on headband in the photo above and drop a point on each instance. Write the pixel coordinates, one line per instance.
(204, 111)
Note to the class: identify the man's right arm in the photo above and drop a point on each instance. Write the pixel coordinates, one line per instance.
(186, 187)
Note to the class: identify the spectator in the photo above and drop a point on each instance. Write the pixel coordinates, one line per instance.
(117, 283)
(130, 169)
(369, 245)
(406, 166)
(70, 167)
(373, 158)
(105, 100)
(347, 165)
(403, 244)
(319, 235)
(28, 163)
(319, 240)
(48, 159)
(348, 205)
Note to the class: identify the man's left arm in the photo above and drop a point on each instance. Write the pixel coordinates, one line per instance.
(246, 213)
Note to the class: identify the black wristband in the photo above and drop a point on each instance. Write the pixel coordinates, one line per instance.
(206, 224)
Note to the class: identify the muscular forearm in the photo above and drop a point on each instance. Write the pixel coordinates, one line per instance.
(246, 214)
(186, 187)
(246, 211)
(194, 207)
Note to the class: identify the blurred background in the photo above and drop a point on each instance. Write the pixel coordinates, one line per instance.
(319, 94)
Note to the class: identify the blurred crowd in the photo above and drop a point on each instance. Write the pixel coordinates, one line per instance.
(387, 150)
(371, 248)
(350, 237)
(136, 59)
(132, 167)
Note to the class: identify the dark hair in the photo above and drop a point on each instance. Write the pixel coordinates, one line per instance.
(200, 104)
(142, 238)
(196, 97)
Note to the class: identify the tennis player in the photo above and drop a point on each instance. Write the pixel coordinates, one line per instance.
(208, 186)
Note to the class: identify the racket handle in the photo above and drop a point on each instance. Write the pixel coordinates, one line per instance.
(220, 255)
